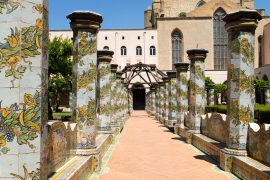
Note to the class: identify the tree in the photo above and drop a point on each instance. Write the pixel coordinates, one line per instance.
(260, 87)
(221, 89)
(60, 70)
(209, 82)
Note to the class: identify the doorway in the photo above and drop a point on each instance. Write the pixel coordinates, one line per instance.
(138, 91)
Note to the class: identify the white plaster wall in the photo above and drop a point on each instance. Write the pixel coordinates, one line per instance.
(115, 42)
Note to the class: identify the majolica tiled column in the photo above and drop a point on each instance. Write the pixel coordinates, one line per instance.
(211, 96)
(157, 101)
(267, 96)
(153, 104)
(161, 99)
(182, 91)
(104, 91)
(118, 97)
(197, 88)
(166, 99)
(241, 94)
(85, 26)
(172, 97)
(23, 89)
(113, 95)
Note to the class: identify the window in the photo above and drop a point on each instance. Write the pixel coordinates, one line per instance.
(106, 48)
(139, 37)
(138, 50)
(152, 37)
(106, 37)
(177, 47)
(220, 41)
(200, 3)
(152, 51)
(123, 51)
(123, 37)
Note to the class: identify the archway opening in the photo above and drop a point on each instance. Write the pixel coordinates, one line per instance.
(138, 91)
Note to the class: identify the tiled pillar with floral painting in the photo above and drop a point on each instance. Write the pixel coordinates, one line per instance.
(158, 101)
(153, 100)
(172, 99)
(241, 27)
(182, 91)
(23, 87)
(162, 100)
(113, 94)
(211, 96)
(197, 88)
(85, 26)
(104, 91)
(267, 96)
(166, 100)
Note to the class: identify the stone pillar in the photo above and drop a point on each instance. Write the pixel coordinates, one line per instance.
(104, 91)
(182, 92)
(241, 26)
(166, 99)
(267, 96)
(24, 89)
(162, 100)
(157, 100)
(211, 96)
(113, 95)
(172, 99)
(153, 108)
(118, 97)
(197, 88)
(85, 26)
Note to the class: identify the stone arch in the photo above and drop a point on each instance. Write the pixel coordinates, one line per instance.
(200, 3)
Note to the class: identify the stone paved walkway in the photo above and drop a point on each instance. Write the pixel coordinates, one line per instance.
(147, 150)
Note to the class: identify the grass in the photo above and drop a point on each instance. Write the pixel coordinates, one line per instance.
(59, 115)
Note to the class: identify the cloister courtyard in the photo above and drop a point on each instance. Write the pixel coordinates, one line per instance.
(186, 97)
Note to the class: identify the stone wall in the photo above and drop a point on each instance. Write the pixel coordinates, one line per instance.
(259, 142)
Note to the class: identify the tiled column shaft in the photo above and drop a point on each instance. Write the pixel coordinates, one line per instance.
(241, 94)
(241, 27)
(153, 89)
(113, 94)
(161, 99)
(157, 101)
(24, 89)
(211, 98)
(118, 96)
(85, 26)
(267, 96)
(182, 91)
(197, 87)
(166, 99)
(104, 91)
(172, 97)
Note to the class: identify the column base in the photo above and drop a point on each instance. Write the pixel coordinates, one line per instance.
(226, 157)
(170, 123)
(187, 133)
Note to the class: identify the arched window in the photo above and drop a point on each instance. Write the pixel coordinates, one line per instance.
(220, 41)
(106, 48)
(200, 3)
(138, 50)
(152, 51)
(123, 51)
(177, 47)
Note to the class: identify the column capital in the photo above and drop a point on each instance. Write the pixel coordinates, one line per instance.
(105, 56)
(197, 54)
(165, 79)
(244, 19)
(85, 20)
(114, 68)
(180, 66)
(171, 74)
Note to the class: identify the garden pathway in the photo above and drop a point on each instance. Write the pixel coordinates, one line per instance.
(147, 150)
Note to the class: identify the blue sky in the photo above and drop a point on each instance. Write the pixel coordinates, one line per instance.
(117, 14)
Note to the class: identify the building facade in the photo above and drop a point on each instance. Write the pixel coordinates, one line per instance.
(174, 26)
(130, 46)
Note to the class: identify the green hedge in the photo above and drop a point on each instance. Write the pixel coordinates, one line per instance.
(262, 112)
